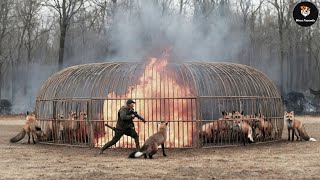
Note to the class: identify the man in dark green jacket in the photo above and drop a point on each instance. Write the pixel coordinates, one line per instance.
(125, 125)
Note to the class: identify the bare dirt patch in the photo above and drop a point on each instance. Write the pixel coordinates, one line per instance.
(279, 160)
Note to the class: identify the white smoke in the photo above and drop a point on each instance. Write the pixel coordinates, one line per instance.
(206, 33)
(24, 100)
(146, 31)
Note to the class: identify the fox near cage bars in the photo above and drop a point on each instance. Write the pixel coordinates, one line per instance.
(207, 104)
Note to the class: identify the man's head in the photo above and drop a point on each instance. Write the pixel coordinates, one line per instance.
(130, 103)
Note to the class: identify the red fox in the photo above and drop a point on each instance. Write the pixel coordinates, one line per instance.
(264, 126)
(32, 127)
(210, 131)
(297, 127)
(150, 146)
(245, 128)
(82, 131)
(68, 127)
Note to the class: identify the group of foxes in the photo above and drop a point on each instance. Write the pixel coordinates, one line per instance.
(150, 147)
(248, 127)
(236, 126)
(70, 129)
(74, 128)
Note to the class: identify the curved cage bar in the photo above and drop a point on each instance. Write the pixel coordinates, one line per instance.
(74, 104)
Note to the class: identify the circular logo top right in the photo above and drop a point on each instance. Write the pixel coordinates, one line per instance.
(305, 14)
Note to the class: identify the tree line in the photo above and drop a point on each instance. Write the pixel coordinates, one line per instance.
(39, 37)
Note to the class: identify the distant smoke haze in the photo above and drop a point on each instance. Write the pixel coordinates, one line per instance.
(147, 32)
(24, 100)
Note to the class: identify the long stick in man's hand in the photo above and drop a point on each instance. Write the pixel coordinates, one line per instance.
(113, 128)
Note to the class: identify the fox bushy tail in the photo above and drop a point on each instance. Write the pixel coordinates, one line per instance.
(139, 153)
(304, 135)
(18, 137)
(136, 154)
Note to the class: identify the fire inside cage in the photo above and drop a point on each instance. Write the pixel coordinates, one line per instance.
(206, 104)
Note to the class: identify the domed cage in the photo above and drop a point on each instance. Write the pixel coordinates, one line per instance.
(206, 104)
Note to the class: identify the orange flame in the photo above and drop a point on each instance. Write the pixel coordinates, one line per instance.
(156, 96)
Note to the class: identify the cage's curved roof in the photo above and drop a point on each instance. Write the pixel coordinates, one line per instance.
(116, 80)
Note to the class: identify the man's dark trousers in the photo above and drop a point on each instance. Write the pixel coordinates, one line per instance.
(118, 134)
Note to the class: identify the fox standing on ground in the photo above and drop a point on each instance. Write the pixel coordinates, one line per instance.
(264, 126)
(245, 128)
(297, 127)
(150, 147)
(32, 127)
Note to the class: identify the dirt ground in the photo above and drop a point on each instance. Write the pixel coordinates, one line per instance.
(278, 160)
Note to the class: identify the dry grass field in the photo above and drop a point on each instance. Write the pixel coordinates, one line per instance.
(278, 160)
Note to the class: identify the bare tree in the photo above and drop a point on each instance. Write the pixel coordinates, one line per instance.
(245, 10)
(102, 9)
(164, 6)
(203, 8)
(66, 9)
(28, 14)
(82, 30)
(249, 13)
(5, 9)
(281, 7)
